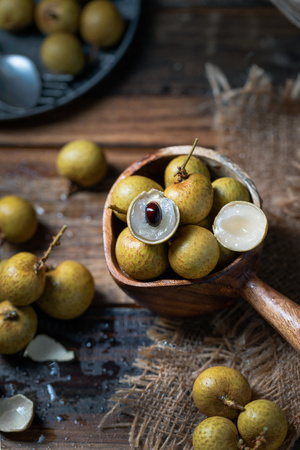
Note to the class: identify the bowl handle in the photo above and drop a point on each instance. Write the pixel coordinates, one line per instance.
(279, 311)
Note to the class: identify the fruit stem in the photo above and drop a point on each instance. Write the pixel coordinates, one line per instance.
(10, 315)
(181, 172)
(55, 241)
(117, 209)
(51, 14)
(231, 403)
(258, 442)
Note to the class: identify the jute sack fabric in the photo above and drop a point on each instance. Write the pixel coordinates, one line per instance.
(258, 127)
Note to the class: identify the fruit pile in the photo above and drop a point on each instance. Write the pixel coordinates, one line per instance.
(234, 421)
(66, 25)
(193, 225)
(64, 292)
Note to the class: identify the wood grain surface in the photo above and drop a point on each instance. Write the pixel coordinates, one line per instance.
(157, 96)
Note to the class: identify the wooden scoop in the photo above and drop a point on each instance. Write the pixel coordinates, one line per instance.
(176, 297)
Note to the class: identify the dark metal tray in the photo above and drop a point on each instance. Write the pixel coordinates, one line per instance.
(58, 90)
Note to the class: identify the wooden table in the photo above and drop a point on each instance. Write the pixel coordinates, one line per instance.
(157, 96)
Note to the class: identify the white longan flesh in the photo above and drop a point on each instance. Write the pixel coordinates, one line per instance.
(240, 226)
(44, 348)
(138, 224)
(16, 413)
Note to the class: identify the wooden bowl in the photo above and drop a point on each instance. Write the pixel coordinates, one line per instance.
(175, 297)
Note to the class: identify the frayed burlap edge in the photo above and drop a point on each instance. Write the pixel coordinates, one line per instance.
(262, 116)
(159, 399)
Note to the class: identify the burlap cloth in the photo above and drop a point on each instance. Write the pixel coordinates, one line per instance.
(258, 126)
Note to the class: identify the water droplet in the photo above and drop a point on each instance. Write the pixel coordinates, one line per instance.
(41, 439)
(63, 196)
(40, 210)
(54, 368)
(90, 343)
(51, 392)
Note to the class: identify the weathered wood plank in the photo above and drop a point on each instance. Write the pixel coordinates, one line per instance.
(70, 398)
(34, 176)
(120, 121)
(159, 94)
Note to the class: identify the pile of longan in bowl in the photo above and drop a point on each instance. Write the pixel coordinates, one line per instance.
(166, 242)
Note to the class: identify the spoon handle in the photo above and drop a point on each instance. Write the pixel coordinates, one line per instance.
(279, 311)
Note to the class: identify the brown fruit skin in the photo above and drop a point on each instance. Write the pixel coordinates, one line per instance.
(69, 291)
(128, 189)
(139, 260)
(194, 252)
(2, 262)
(61, 52)
(258, 415)
(19, 282)
(16, 15)
(82, 162)
(226, 257)
(193, 196)
(57, 15)
(217, 382)
(194, 165)
(17, 332)
(215, 433)
(227, 189)
(101, 24)
(18, 219)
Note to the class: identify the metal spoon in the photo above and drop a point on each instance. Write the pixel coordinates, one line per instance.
(20, 82)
